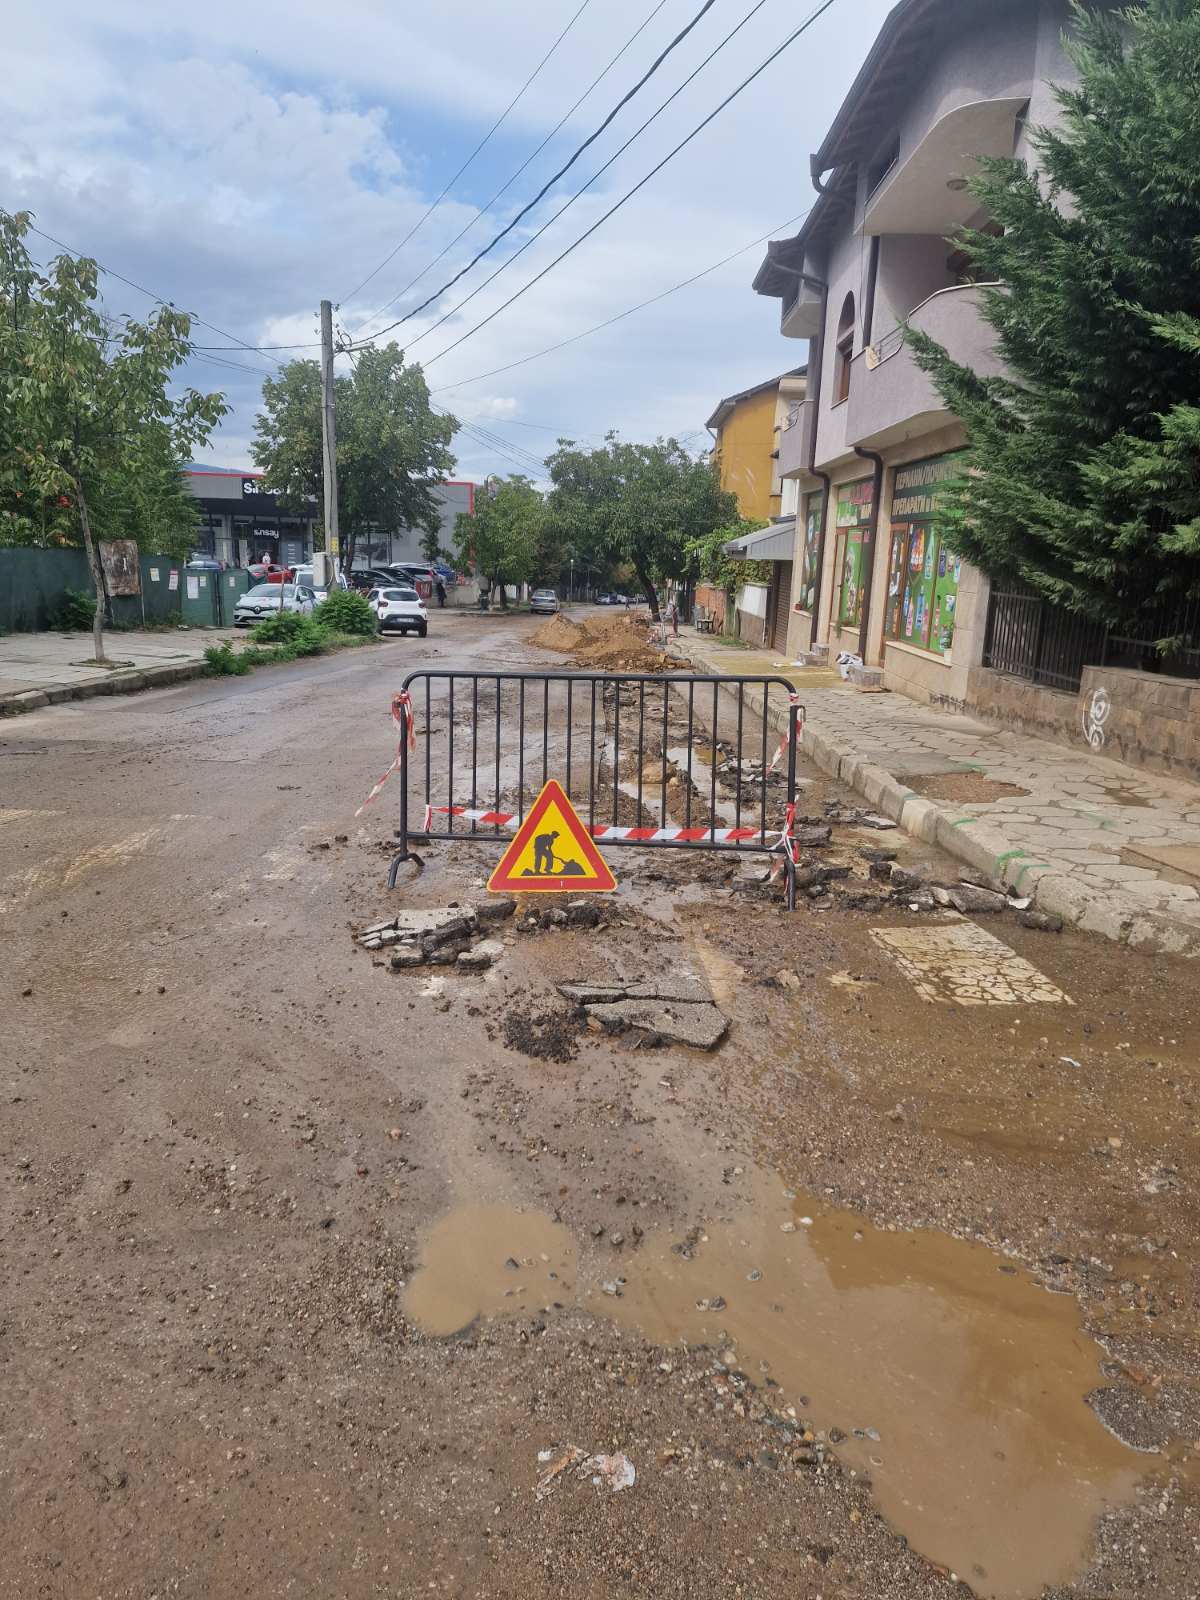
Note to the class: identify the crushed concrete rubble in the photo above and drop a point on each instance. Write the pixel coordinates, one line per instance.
(672, 1010)
(443, 936)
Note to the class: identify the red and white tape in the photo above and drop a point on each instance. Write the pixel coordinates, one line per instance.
(406, 731)
(793, 702)
(602, 831)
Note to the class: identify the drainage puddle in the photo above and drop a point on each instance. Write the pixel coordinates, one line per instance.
(482, 1261)
(958, 1382)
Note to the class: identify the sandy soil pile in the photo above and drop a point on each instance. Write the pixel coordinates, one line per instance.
(558, 634)
(620, 642)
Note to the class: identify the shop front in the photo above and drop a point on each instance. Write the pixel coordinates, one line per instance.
(854, 504)
(923, 575)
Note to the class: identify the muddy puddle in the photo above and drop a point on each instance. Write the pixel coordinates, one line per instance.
(958, 1383)
(482, 1261)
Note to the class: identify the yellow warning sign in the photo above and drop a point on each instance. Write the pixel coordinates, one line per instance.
(553, 853)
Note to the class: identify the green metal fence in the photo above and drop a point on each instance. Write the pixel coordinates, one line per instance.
(35, 583)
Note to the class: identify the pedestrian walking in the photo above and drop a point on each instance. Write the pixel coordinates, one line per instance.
(441, 593)
(675, 618)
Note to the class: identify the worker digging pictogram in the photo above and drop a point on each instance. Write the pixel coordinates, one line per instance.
(552, 852)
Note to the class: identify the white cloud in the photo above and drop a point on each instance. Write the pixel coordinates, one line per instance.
(245, 161)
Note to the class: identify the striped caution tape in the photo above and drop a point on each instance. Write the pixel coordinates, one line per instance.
(406, 732)
(602, 831)
(793, 701)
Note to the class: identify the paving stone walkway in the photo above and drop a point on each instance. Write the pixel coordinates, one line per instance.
(1096, 821)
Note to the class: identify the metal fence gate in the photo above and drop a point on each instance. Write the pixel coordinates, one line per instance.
(663, 761)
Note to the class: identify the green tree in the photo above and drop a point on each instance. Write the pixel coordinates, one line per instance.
(392, 447)
(504, 540)
(722, 571)
(87, 417)
(640, 503)
(1081, 474)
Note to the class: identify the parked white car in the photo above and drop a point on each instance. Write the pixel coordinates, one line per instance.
(399, 611)
(266, 600)
(544, 601)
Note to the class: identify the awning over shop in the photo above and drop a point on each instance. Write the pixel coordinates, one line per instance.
(776, 543)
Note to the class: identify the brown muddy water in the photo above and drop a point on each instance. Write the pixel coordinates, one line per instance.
(958, 1382)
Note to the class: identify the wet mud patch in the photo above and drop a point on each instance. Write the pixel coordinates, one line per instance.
(548, 1035)
(943, 1376)
(967, 788)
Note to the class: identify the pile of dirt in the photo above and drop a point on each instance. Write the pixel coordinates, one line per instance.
(558, 634)
(619, 642)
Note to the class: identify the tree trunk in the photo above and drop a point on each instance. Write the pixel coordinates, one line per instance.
(351, 541)
(498, 584)
(85, 523)
(648, 590)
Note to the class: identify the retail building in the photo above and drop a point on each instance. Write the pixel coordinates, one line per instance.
(946, 82)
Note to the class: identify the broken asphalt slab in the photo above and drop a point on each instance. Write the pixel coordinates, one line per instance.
(671, 1010)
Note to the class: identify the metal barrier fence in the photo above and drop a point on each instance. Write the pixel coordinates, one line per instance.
(623, 745)
(1029, 638)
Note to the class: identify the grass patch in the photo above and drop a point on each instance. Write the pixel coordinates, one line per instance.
(272, 644)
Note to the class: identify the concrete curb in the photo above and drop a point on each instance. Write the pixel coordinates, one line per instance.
(127, 682)
(1113, 913)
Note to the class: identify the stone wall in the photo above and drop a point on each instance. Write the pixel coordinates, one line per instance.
(1143, 718)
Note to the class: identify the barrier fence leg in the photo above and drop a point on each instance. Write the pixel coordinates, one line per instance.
(403, 854)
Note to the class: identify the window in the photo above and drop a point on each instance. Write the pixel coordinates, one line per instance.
(845, 352)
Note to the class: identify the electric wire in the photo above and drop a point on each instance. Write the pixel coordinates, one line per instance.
(642, 182)
(420, 223)
(591, 139)
(529, 159)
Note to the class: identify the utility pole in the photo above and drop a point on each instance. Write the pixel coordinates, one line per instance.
(329, 439)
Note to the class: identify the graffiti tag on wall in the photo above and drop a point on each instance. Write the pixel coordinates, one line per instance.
(1095, 715)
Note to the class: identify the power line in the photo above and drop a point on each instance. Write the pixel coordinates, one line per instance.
(590, 140)
(529, 159)
(149, 293)
(629, 312)
(566, 206)
(629, 194)
(495, 125)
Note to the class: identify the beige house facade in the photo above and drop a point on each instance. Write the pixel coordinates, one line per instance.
(946, 82)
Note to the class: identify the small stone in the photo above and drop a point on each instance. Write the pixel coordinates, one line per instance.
(616, 1240)
(787, 1227)
(755, 1276)
(612, 1287)
(309, 1135)
(1041, 921)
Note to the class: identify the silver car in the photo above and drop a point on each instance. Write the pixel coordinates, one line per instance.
(543, 600)
(268, 599)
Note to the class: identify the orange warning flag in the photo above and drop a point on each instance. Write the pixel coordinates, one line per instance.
(553, 853)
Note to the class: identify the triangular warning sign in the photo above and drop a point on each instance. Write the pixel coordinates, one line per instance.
(553, 853)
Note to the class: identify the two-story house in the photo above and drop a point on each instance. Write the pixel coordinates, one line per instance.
(947, 81)
(747, 430)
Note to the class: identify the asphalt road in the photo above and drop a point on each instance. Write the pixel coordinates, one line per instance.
(307, 1260)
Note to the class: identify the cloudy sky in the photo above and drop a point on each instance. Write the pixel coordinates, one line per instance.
(245, 160)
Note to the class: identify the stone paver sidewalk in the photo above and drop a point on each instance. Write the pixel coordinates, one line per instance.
(1083, 834)
(38, 669)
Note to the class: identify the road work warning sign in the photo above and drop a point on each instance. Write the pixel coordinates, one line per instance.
(553, 853)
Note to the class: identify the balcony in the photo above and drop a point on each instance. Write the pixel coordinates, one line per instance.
(928, 192)
(795, 438)
(890, 397)
(800, 317)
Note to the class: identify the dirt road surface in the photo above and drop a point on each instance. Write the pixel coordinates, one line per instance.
(315, 1269)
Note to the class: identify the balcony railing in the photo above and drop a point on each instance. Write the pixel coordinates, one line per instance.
(888, 391)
